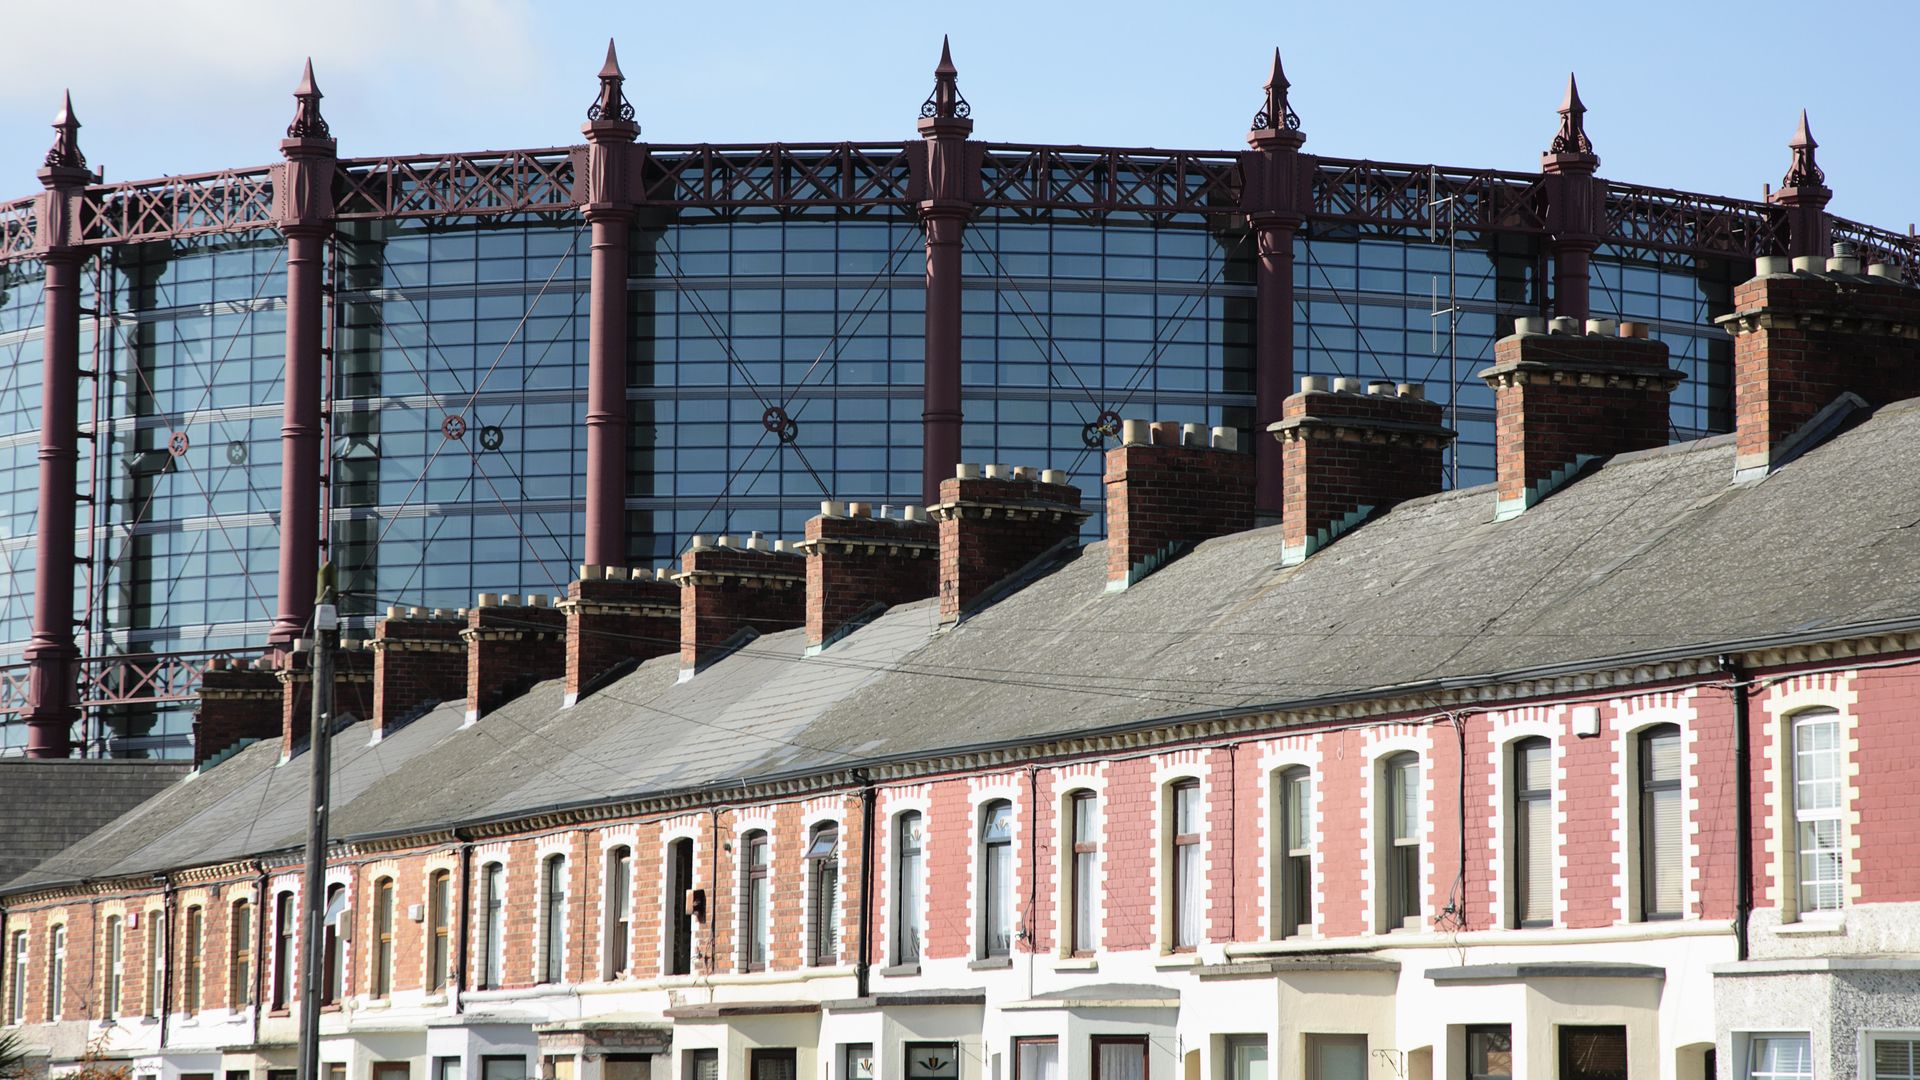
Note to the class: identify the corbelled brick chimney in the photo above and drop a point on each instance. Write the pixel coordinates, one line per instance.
(238, 702)
(856, 561)
(1563, 398)
(418, 661)
(724, 589)
(615, 616)
(512, 643)
(1351, 454)
(352, 690)
(1806, 332)
(993, 522)
(1170, 486)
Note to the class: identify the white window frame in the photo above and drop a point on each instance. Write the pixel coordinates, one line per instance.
(1172, 896)
(1384, 762)
(555, 903)
(616, 933)
(1871, 1036)
(1522, 867)
(821, 871)
(492, 897)
(1749, 1041)
(897, 900)
(1072, 883)
(1797, 722)
(19, 955)
(988, 901)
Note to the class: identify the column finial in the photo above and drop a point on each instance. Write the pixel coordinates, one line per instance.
(1275, 113)
(945, 103)
(1572, 136)
(65, 153)
(1804, 170)
(612, 104)
(307, 121)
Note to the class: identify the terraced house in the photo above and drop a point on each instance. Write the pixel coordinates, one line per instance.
(1600, 770)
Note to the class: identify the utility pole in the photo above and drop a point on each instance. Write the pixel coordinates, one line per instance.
(326, 637)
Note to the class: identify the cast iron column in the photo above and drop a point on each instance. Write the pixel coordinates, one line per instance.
(52, 658)
(1804, 194)
(1275, 196)
(1576, 206)
(945, 206)
(608, 209)
(303, 203)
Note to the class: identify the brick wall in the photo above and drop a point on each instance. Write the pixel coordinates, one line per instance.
(1346, 450)
(236, 703)
(418, 662)
(615, 615)
(726, 589)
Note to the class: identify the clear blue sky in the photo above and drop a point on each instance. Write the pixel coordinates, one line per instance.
(1683, 93)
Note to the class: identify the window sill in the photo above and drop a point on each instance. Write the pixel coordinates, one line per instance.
(1076, 963)
(437, 998)
(279, 1013)
(991, 963)
(899, 971)
(1812, 928)
(1173, 961)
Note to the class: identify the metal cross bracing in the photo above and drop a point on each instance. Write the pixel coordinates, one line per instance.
(1069, 183)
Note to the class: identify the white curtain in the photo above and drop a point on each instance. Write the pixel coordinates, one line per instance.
(1123, 1061)
(1186, 929)
(1039, 1061)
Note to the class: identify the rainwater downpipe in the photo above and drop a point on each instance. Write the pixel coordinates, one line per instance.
(165, 996)
(1742, 802)
(261, 906)
(863, 965)
(458, 976)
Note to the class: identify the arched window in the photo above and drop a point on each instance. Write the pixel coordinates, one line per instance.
(1530, 817)
(1397, 824)
(553, 919)
(156, 963)
(619, 910)
(439, 929)
(680, 907)
(493, 923)
(995, 917)
(17, 978)
(1294, 798)
(1819, 785)
(114, 955)
(240, 955)
(754, 891)
(191, 960)
(1187, 877)
(382, 937)
(1083, 852)
(284, 931)
(906, 888)
(332, 956)
(1662, 860)
(823, 893)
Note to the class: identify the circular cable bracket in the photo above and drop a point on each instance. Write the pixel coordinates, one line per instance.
(236, 453)
(776, 420)
(454, 426)
(178, 444)
(492, 438)
(1101, 428)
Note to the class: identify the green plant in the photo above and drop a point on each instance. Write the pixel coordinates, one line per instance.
(13, 1056)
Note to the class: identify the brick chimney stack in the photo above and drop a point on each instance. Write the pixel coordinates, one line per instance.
(1170, 486)
(1563, 398)
(238, 702)
(418, 661)
(617, 615)
(512, 643)
(1351, 453)
(856, 561)
(724, 589)
(994, 521)
(1807, 331)
(352, 689)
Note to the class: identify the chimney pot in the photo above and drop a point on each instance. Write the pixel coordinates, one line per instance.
(832, 508)
(1380, 388)
(1166, 433)
(725, 540)
(781, 547)
(1193, 435)
(1226, 438)
(1842, 264)
(966, 471)
(1808, 264)
(395, 612)
(886, 511)
(441, 613)
(913, 513)
(1603, 327)
(487, 599)
(1313, 384)
(1414, 390)
(1566, 324)
(1057, 477)
(699, 542)
(1636, 330)
(1346, 384)
(416, 613)
(1768, 265)
(757, 542)
(1530, 324)
(1136, 433)
(1890, 271)
(997, 472)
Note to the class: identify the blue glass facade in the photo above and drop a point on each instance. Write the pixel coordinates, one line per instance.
(486, 322)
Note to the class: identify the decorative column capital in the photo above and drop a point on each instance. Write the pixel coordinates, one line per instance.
(1805, 183)
(945, 113)
(303, 188)
(1275, 125)
(604, 192)
(1571, 150)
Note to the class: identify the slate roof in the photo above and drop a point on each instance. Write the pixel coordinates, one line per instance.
(1655, 552)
